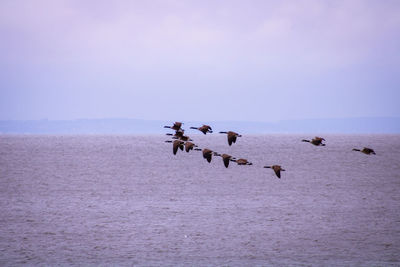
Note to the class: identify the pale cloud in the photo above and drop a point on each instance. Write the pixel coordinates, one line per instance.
(271, 49)
(340, 32)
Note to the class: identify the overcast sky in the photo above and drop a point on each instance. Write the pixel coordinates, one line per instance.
(199, 60)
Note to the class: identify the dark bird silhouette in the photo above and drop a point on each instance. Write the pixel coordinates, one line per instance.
(231, 136)
(175, 145)
(204, 129)
(178, 133)
(207, 153)
(365, 150)
(180, 136)
(177, 126)
(242, 162)
(184, 138)
(225, 158)
(277, 169)
(189, 146)
(317, 141)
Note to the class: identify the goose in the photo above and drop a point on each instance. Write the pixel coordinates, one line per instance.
(225, 158)
(180, 136)
(365, 150)
(207, 153)
(189, 146)
(204, 129)
(184, 138)
(177, 126)
(242, 162)
(317, 141)
(277, 169)
(178, 133)
(175, 145)
(231, 136)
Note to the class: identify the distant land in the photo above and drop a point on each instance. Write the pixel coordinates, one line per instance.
(135, 126)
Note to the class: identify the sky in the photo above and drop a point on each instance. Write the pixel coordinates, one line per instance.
(183, 60)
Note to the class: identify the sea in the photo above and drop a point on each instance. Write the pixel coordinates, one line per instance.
(127, 200)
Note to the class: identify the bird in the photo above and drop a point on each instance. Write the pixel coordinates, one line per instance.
(231, 136)
(225, 158)
(178, 133)
(207, 153)
(204, 129)
(365, 150)
(277, 169)
(175, 145)
(177, 126)
(242, 162)
(184, 138)
(189, 146)
(317, 141)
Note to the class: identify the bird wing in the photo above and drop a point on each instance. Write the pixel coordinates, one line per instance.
(206, 151)
(241, 161)
(179, 133)
(203, 129)
(231, 138)
(277, 170)
(226, 161)
(234, 139)
(368, 150)
(175, 146)
(207, 154)
(316, 141)
(188, 146)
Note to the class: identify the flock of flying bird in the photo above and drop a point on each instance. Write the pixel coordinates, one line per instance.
(183, 142)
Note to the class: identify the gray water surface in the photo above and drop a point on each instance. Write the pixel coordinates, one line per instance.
(127, 200)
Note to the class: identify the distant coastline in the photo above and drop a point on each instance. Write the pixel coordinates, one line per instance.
(380, 125)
